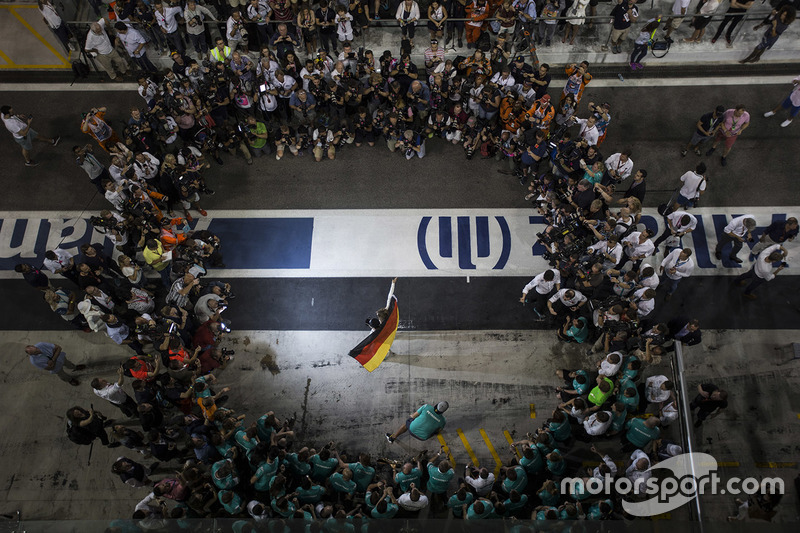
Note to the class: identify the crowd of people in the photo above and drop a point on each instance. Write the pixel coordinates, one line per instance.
(601, 291)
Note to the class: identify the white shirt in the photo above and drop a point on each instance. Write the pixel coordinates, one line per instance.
(637, 249)
(202, 13)
(692, 185)
(61, 260)
(669, 414)
(482, 486)
(541, 285)
(680, 5)
(131, 40)
(762, 267)
(643, 307)
(653, 391)
(633, 473)
(259, 13)
(148, 169)
(408, 504)
(229, 27)
(609, 369)
(612, 466)
(602, 248)
(118, 332)
(288, 83)
(99, 42)
(683, 269)
(623, 170)
(167, 19)
(580, 416)
(14, 124)
(113, 393)
(578, 298)
(51, 16)
(502, 82)
(737, 227)
(651, 282)
(676, 217)
(591, 135)
(594, 427)
(413, 12)
(794, 96)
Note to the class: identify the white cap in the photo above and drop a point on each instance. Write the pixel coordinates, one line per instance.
(674, 449)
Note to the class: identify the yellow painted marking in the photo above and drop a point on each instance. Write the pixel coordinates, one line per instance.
(645, 415)
(798, 415)
(776, 465)
(37, 35)
(511, 441)
(15, 67)
(446, 449)
(492, 451)
(533, 410)
(10, 63)
(663, 516)
(465, 442)
(729, 463)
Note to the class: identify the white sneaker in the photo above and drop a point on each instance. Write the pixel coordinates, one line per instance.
(786, 122)
(277, 157)
(768, 114)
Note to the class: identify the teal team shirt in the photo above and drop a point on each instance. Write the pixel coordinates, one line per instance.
(427, 424)
(362, 475)
(404, 481)
(519, 484)
(339, 484)
(438, 481)
(535, 465)
(581, 388)
(322, 470)
(264, 474)
(455, 504)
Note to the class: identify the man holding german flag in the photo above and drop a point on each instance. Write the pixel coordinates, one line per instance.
(373, 350)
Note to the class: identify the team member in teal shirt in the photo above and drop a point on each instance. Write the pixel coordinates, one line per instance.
(343, 482)
(363, 472)
(549, 494)
(264, 474)
(559, 426)
(298, 462)
(458, 500)
(556, 463)
(516, 479)
(631, 366)
(515, 502)
(439, 477)
(408, 475)
(309, 492)
(628, 395)
(482, 508)
(385, 509)
(619, 414)
(231, 502)
(546, 513)
(641, 432)
(600, 510)
(426, 422)
(323, 465)
(223, 474)
(574, 330)
(531, 460)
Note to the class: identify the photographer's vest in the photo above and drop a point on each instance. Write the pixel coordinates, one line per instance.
(598, 397)
(220, 55)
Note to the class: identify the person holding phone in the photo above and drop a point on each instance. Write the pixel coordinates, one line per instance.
(762, 270)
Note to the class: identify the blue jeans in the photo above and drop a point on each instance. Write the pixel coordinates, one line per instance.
(671, 284)
(754, 284)
(166, 278)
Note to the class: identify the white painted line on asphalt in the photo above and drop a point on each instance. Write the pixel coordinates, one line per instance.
(624, 70)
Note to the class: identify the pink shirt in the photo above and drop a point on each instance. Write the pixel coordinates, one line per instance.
(734, 124)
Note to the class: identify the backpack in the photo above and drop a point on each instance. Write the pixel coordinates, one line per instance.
(80, 69)
(484, 42)
(79, 435)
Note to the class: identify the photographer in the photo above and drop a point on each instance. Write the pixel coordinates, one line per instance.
(235, 32)
(349, 59)
(188, 187)
(256, 134)
(608, 251)
(324, 143)
(195, 15)
(303, 107)
(413, 144)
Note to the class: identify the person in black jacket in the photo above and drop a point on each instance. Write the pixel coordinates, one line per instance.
(684, 330)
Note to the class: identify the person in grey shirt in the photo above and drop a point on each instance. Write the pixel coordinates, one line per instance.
(97, 171)
(53, 359)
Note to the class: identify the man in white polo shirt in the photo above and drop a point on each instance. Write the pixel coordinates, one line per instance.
(24, 134)
(542, 286)
(678, 264)
(98, 43)
(736, 232)
(637, 246)
(762, 271)
(167, 18)
(678, 224)
(565, 299)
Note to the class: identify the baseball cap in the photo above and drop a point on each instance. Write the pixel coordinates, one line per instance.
(442, 406)
(546, 98)
(674, 449)
(519, 59)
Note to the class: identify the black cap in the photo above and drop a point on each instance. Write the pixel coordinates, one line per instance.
(120, 26)
(519, 59)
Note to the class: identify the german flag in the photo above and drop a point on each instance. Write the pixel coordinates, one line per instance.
(373, 350)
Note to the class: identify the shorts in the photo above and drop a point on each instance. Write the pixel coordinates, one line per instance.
(684, 202)
(27, 141)
(674, 23)
(189, 200)
(700, 23)
(618, 35)
(698, 138)
(793, 109)
(728, 140)
(408, 427)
